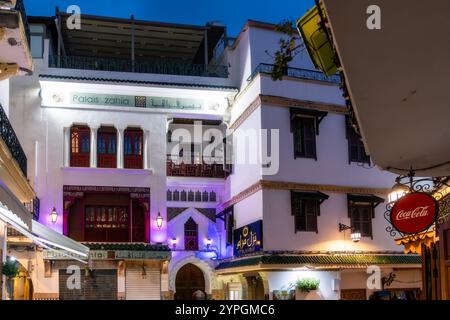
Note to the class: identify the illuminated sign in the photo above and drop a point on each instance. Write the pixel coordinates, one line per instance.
(414, 213)
(115, 100)
(248, 239)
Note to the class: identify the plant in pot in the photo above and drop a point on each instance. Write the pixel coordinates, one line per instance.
(10, 271)
(307, 289)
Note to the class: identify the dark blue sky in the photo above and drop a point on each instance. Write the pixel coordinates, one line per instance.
(233, 13)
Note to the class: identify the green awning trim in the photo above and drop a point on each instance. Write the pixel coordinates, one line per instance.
(324, 260)
(126, 246)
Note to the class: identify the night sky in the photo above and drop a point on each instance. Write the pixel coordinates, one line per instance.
(232, 13)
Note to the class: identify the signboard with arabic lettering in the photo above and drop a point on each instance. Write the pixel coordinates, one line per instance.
(248, 239)
(116, 100)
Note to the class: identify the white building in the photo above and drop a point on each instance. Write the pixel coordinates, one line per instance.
(101, 120)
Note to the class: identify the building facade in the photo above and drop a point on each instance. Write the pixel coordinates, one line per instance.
(120, 119)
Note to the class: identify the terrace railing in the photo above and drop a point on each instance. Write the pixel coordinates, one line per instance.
(138, 66)
(207, 169)
(299, 73)
(12, 142)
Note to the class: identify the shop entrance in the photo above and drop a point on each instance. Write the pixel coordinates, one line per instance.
(190, 283)
(255, 287)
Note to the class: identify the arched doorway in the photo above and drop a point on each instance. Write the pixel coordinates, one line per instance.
(189, 280)
(255, 287)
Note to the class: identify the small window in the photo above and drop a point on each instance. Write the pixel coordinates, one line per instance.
(305, 207)
(356, 150)
(305, 127)
(176, 195)
(191, 235)
(205, 196)
(191, 196)
(169, 195)
(361, 219)
(212, 196)
(198, 196)
(183, 196)
(133, 149)
(106, 147)
(80, 146)
(361, 211)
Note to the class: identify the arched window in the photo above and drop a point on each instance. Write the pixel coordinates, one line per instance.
(169, 195)
(191, 196)
(190, 235)
(133, 149)
(198, 196)
(80, 146)
(212, 196)
(107, 147)
(183, 195)
(205, 197)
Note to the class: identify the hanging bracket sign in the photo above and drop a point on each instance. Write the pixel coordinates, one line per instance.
(414, 213)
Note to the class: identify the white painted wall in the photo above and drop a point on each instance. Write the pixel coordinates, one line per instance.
(281, 280)
(279, 230)
(4, 95)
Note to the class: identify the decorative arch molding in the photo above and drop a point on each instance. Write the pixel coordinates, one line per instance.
(208, 272)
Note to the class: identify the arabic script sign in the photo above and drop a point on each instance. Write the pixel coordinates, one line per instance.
(248, 239)
(414, 212)
(115, 100)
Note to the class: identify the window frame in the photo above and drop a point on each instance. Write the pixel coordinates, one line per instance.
(299, 208)
(360, 221)
(191, 235)
(107, 159)
(354, 141)
(305, 133)
(133, 160)
(78, 156)
(366, 201)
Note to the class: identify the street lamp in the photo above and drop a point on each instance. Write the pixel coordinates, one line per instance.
(159, 220)
(208, 243)
(54, 215)
(398, 191)
(174, 243)
(355, 235)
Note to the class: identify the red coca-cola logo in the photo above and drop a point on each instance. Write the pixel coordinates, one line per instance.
(414, 212)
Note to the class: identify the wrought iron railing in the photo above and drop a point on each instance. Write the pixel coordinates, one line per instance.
(138, 66)
(207, 169)
(12, 142)
(21, 8)
(296, 73)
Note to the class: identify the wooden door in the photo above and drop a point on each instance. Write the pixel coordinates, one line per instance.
(189, 280)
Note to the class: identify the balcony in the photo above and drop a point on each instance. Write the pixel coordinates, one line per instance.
(298, 73)
(15, 56)
(138, 66)
(210, 169)
(9, 137)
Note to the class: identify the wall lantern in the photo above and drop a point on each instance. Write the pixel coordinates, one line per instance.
(54, 215)
(208, 243)
(174, 243)
(159, 220)
(355, 235)
(398, 191)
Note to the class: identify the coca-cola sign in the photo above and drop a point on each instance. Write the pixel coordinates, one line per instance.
(414, 212)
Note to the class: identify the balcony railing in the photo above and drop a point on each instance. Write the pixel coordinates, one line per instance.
(207, 169)
(138, 66)
(296, 73)
(12, 142)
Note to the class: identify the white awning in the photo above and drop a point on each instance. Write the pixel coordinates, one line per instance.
(45, 237)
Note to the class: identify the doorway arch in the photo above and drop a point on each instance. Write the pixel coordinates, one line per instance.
(189, 280)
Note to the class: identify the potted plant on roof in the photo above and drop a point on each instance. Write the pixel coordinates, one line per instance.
(10, 270)
(308, 289)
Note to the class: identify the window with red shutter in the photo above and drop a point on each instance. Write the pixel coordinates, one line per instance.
(190, 235)
(133, 149)
(80, 146)
(107, 147)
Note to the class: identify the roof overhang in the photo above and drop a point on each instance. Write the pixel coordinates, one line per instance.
(397, 78)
